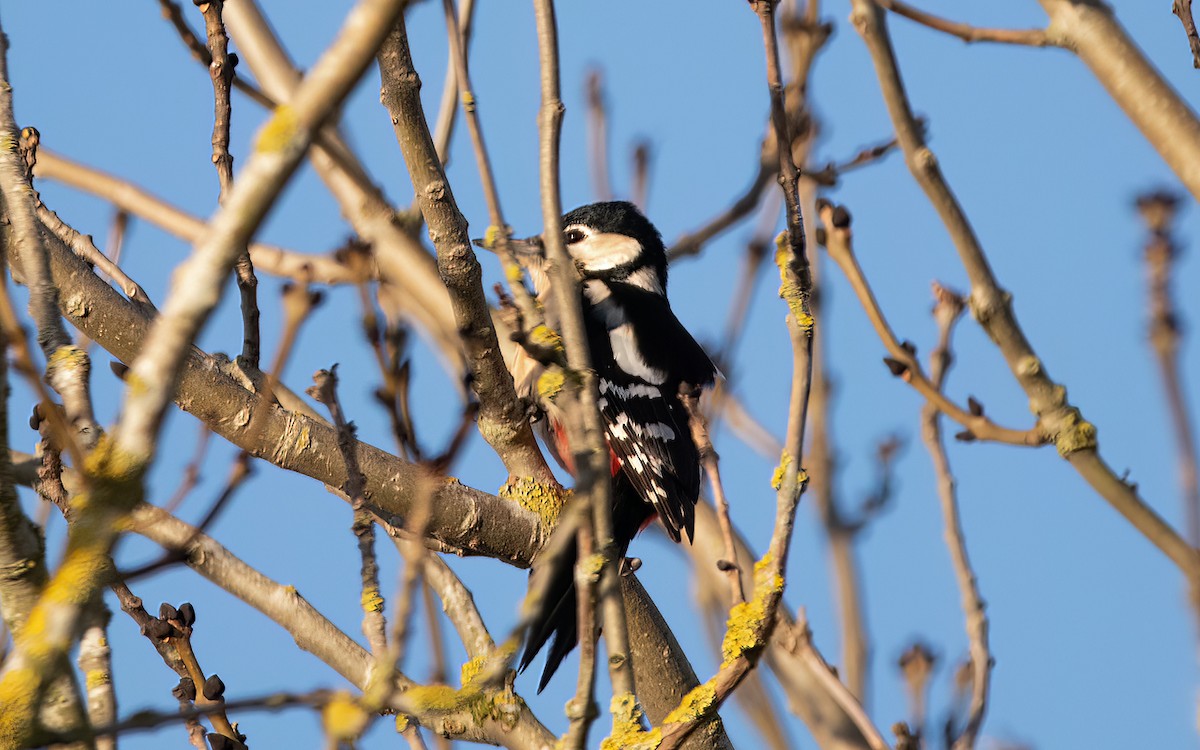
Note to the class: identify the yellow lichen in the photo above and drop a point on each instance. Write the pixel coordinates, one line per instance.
(545, 337)
(592, 564)
(513, 273)
(1075, 434)
(627, 732)
(471, 669)
(372, 601)
(279, 131)
(18, 706)
(402, 723)
(550, 383)
(745, 628)
(790, 290)
(781, 471)
(344, 718)
(69, 357)
(546, 500)
(97, 677)
(696, 704)
(785, 463)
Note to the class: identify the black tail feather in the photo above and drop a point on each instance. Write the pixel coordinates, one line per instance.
(557, 618)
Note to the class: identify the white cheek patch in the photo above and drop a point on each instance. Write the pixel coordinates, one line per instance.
(604, 251)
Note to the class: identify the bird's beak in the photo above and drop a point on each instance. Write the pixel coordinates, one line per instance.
(525, 249)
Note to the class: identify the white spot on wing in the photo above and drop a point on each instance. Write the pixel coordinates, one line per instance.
(629, 356)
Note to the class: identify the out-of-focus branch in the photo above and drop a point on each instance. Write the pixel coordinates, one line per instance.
(319, 269)
(1183, 9)
(584, 427)
(640, 189)
(448, 109)
(502, 421)
(95, 663)
(1117, 62)
(947, 310)
(752, 622)
(1090, 30)
(832, 728)
(1158, 212)
(597, 135)
(693, 242)
(966, 32)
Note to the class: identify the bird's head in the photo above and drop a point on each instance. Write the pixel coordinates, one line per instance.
(609, 241)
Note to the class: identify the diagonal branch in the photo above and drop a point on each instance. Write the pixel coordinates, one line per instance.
(1074, 436)
(966, 32)
(501, 418)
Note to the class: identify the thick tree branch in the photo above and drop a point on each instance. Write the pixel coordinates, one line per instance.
(501, 419)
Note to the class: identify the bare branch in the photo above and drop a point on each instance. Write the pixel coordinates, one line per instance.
(946, 312)
(501, 420)
(1183, 9)
(967, 33)
(1103, 45)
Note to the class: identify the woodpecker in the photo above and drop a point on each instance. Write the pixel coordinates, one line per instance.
(642, 355)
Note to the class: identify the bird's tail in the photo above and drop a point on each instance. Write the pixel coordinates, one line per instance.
(556, 619)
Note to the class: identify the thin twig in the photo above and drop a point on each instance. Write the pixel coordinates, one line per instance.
(640, 191)
(374, 627)
(582, 709)
(947, 310)
(597, 135)
(1158, 212)
(448, 109)
(221, 69)
(751, 623)
(710, 461)
(585, 429)
(1183, 9)
(902, 356)
(966, 32)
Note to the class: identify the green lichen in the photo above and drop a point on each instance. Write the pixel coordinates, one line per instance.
(790, 290)
(627, 732)
(546, 500)
(279, 131)
(1075, 434)
(695, 705)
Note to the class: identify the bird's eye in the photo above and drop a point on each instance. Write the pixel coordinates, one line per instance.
(573, 236)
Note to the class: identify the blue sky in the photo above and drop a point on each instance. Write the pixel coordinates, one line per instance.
(1088, 619)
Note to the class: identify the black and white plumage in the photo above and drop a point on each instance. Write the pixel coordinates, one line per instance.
(642, 354)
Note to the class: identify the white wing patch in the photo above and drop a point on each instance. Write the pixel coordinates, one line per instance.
(629, 356)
